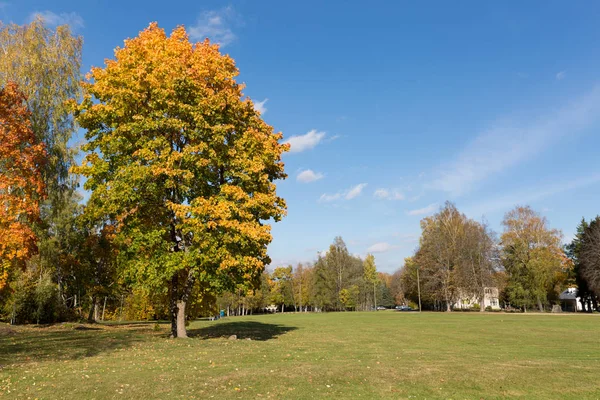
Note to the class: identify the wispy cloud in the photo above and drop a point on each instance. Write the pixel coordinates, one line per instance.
(561, 75)
(304, 142)
(53, 19)
(349, 194)
(424, 211)
(530, 195)
(355, 191)
(388, 194)
(216, 25)
(381, 247)
(308, 175)
(505, 145)
(260, 106)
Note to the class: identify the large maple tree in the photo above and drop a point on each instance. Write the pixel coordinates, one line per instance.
(183, 166)
(22, 188)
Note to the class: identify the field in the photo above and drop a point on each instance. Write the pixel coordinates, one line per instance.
(385, 354)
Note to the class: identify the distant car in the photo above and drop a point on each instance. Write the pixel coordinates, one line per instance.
(404, 308)
(381, 308)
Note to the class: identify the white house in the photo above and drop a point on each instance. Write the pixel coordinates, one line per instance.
(569, 300)
(490, 299)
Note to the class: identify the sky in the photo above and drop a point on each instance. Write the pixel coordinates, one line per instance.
(392, 108)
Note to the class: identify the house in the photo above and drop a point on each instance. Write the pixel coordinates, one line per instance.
(569, 300)
(490, 299)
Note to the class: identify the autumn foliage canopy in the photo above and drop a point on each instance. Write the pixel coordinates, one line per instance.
(21, 184)
(182, 164)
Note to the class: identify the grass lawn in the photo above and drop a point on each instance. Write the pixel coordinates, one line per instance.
(385, 354)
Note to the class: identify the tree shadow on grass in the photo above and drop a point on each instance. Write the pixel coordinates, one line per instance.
(242, 329)
(52, 343)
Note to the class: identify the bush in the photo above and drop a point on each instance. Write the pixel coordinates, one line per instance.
(34, 299)
(413, 305)
(475, 307)
(489, 308)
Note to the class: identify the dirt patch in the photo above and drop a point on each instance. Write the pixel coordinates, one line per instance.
(7, 331)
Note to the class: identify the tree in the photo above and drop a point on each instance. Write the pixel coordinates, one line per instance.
(573, 251)
(477, 259)
(46, 65)
(589, 260)
(438, 253)
(370, 275)
(396, 287)
(281, 289)
(22, 158)
(323, 286)
(531, 255)
(302, 285)
(182, 165)
(349, 297)
(337, 260)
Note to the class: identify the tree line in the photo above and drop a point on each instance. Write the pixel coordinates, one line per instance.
(337, 281)
(181, 171)
(457, 260)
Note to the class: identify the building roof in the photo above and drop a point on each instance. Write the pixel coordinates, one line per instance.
(569, 294)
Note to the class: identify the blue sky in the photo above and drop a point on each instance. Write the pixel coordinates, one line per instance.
(394, 107)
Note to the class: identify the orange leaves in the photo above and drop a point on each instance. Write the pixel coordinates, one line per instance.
(21, 184)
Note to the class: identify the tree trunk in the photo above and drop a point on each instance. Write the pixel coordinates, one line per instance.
(173, 307)
(374, 297)
(482, 301)
(282, 308)
(181, 330)
(92, 311)
(539, 303)
(103, 308)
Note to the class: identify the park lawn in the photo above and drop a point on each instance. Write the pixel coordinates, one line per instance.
(383, 354)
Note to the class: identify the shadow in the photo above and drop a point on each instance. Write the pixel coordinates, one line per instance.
(65, 343)
(86, 328)
(242, 329)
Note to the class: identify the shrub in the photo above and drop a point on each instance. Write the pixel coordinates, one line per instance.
(413, 305)
(34, 299)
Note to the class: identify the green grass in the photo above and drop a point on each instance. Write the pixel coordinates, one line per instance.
(304, 356)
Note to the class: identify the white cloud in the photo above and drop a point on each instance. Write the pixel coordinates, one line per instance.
(300, 143)
(425, 210)
(330, 197)
(355, 191)
(308, 175)
(561, 75)
(260, 106)
(504, 146)
(52, 19)
(380, 247)
(349, 194)
(388, 194)
(381, 193)
(215, 25)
